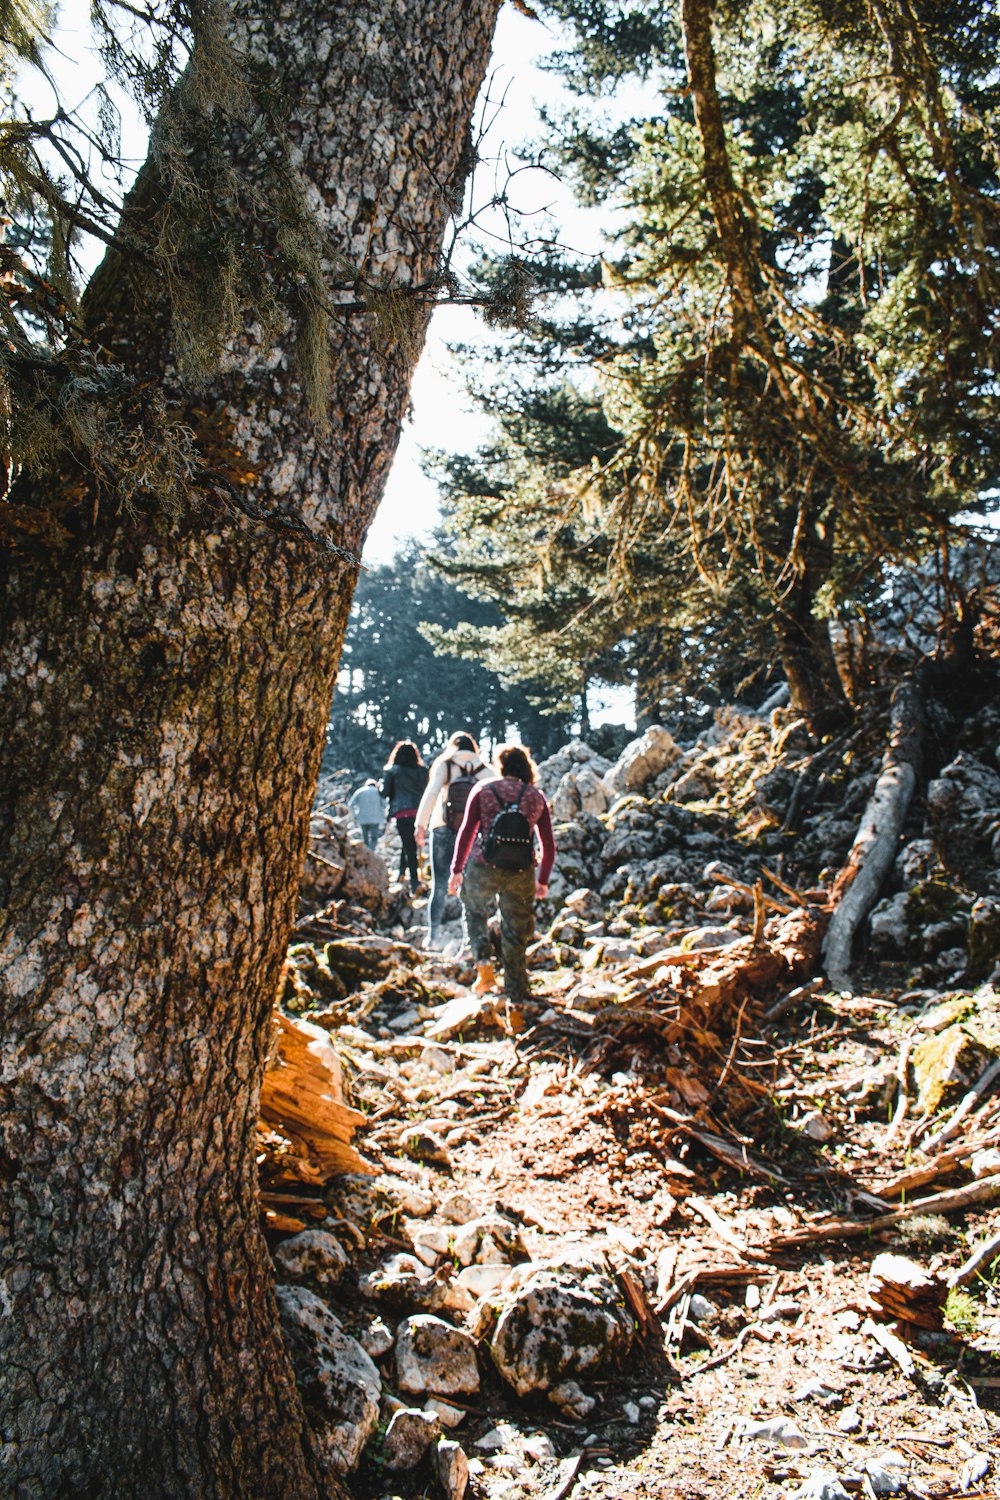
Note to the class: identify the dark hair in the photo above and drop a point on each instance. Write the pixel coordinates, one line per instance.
(515, 760)
(404, 753)
(465, 742)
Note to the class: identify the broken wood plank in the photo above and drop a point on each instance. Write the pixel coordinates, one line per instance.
(906, 1292)
(635, 1294)
(301, 1099)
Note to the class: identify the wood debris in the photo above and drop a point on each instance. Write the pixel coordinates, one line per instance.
(306, 1127)
(904, 1291)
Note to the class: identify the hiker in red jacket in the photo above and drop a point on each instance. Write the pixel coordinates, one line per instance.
(496, 849)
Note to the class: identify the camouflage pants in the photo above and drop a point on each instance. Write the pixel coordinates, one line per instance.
(482, 888)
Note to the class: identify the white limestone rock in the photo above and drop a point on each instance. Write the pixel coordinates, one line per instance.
(433, 1358)
(408, 1437)
(458, 1207)
(403, 1281)
(579, 791)
(572, 1401)
(376, 1339)
(561, 1322)
(313, 1256)
(696, 785)
(344, 1385)
(452, 1469)
(963, 816)
(642, 760)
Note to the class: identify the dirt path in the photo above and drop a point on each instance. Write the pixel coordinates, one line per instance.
(777, 1377)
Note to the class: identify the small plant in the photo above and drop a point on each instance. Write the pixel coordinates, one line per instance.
(962, 1313)
(924, 1231)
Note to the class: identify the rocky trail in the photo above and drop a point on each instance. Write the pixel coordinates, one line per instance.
(692, 1224)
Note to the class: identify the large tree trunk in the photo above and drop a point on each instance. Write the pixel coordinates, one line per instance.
(809, 663)
(165, 686)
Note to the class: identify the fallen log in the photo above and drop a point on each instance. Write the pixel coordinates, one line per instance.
(858, 884)
(948, 1161)
(981, 1256)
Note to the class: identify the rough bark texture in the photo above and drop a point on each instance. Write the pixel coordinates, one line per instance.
(164, 687)
(877, 840)
(807, 658)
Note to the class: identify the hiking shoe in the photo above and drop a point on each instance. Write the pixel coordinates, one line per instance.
(486, 980)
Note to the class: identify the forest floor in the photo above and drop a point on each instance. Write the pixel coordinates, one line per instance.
(785, 1380)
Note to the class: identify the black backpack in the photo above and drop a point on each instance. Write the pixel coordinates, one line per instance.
(459, 792)
(508, 845)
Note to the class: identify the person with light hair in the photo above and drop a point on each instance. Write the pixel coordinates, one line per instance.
(453, 775)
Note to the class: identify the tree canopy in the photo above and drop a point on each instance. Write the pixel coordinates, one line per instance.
(793, 340)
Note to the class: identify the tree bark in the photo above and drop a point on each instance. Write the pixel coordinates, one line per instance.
(165, 687)
(877, 840)
(807, 659)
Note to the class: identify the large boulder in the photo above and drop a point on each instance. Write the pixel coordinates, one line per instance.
(338, 865)
(963, 815)
(643, 760)
(312, 1256)
(578, 792)
(569, 759)
(562, 1322)
(340, 1384)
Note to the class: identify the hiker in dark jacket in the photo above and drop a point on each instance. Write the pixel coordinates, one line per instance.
(442, 807)
(403, 782)
(486, 883)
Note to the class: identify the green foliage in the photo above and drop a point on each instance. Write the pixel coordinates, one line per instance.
(794, 341)
(962, 1313)
(397, 681)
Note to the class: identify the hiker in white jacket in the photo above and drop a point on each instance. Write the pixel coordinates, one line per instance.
(442, 807)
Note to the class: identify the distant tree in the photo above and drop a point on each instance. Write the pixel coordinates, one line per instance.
(398, 680)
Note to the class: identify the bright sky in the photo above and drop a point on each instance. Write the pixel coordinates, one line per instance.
(441, 415)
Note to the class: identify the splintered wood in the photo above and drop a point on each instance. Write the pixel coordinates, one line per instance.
(905, 1292)
(305, 1128)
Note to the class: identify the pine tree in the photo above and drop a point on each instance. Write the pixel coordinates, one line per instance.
(398, 681)
(799, 316)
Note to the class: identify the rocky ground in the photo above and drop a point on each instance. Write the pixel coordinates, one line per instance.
(693, 1224)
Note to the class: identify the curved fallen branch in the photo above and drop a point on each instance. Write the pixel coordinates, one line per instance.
(874, 849)
(956, 1200)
